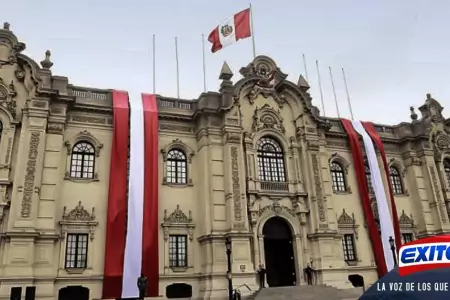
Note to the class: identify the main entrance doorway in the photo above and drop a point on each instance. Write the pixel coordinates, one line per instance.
(279, 253)
(73, 293)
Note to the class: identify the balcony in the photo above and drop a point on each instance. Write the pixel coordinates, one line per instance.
(274, 186)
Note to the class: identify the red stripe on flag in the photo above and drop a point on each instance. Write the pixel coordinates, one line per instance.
(370, 129)
(150, 249)
(117, 199)
(358, 161)
(214, 39)
(242, 24)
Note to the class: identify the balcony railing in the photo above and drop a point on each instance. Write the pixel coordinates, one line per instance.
(89, 94)
(165, 103)
(274, 186)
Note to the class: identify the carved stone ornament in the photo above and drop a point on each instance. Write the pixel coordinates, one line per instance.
(313, 145)
(178, 220)
(277, 208)
(55, 128)
(233, 137)
(347, 223)
(440, 205)
(267, 117)
(236, 186)
(84, 136)
(7, 97)
(319, 197)
(29, 187)
(432, 110)
(78, 220)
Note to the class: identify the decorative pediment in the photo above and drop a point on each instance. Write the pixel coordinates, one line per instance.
(179, 144)
(347, 223)
(405, 220)
(84, 136)
(336, 157)
(177, 216)
(178, 221)
(267, 117)
(78, 220)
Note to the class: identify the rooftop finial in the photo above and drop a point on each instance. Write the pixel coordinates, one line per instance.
(47, 63)
(428, 96)
(6, 26)
(226, 73)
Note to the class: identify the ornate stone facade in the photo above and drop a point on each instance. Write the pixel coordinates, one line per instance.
(231, 188)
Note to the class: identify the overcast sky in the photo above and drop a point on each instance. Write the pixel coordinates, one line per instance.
(394, 52)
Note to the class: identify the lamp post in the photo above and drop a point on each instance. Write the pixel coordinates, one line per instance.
(394, 256)
(230, 281)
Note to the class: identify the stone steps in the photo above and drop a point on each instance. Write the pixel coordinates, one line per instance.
(308, 292)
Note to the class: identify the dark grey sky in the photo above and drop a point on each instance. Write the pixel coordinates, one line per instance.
(394, 52)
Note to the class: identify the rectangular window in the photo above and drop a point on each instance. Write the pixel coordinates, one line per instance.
(76, 250)
(407, 237)
(178, 251)
(348, 245)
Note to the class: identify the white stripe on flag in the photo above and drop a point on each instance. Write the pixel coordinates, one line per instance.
(231, 38)
(386, 225)
(133, 245)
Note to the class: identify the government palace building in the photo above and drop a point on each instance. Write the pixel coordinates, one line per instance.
(254, 163)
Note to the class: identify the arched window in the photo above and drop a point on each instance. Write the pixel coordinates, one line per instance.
(396, 181)
(447, 170)
(1, 130)
(368, 179)
(270, 161)
(176, 167)
(82, 160)
(338, 177)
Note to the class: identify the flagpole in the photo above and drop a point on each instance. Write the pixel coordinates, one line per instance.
(178, 70)
(204, 65)
(252, 31)
(154, 65)
(304, 65)
(320, 88)
(348, 95)
(334, 93)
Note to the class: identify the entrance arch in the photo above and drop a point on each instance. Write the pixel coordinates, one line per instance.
(279, 252)
(73, 293)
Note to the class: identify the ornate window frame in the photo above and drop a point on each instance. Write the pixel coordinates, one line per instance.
(407, 225)
(402, 170)
(337, 158)
(83, 136)
(178, 223)
(178, 144)
(347, 225)
(77, 220)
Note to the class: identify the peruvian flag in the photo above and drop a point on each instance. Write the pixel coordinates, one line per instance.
(231, 30)
(389, 226)
(131, 246)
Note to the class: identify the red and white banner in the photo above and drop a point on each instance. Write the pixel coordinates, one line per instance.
(131, 247)
(231, 30)
(388, 224)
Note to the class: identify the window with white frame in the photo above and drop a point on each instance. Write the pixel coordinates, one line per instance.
(178, 250)
(348, 228)
(348, 246)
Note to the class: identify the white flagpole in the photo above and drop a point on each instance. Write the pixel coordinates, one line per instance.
(348, 95)
(252, 31)
(304, 65)
(178, 69)
(204, 64)
(320, 88)
(334, 93)
(154, 65)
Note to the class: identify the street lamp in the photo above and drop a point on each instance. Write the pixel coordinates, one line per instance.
(230, 281)
(394, 256)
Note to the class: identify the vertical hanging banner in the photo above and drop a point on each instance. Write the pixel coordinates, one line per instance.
(131, 247)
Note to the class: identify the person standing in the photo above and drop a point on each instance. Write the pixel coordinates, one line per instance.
(309, 273)
(262, 276)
